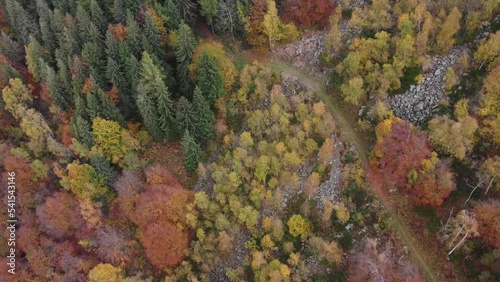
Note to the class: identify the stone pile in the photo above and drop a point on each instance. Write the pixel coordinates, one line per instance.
(422, 100)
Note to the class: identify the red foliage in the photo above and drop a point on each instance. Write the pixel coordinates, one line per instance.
(308, 13)
(59, 216)
(114, 247)
(433, 188)
(28, 233)
(128, 186)
(173, 243)
(113, 94)
(488, 217)
(403, 150)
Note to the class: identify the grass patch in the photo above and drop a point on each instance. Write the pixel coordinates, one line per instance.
(433, 222)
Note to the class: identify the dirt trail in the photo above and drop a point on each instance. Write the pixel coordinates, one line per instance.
(316, 84)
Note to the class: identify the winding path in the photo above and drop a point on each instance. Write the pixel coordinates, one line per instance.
(316, 84)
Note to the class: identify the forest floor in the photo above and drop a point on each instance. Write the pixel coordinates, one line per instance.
(345, 116)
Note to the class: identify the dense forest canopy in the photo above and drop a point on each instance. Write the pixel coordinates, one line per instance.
(168, 140)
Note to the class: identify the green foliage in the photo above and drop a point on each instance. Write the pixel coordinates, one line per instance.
(210, 80)
(191, 152)
(298, 226)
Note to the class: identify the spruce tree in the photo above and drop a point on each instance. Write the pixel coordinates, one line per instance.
(98, 16)
(47, 34)
(11, 49)
(103, 167)
(94, 108)
(205, 117)
(119, 11)
(185, 117)
(187, 9)
(184, 49)
(21, 21)
(149, 113)
(82, 131)
(210, 80)
(166, 112)
(191, 152)
(109, 110)
(134, 34)
(152, 39)
(56, 92)
(173, 15)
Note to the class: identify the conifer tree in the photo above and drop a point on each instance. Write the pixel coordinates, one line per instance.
(210, 80)
(205, 116)
(152, 39)
(11, 48)
(134, 34)
(119, 11)
(149, 113)
(21, 21)
(191, 152)
(54, 86)
(47, 34)
(82, 131)
(166, 113)
(209, 10)
(173, 15)
(103, 167)
(35, 54)
(98, 16)
(185, 116)
(187, 9)
(184, 49)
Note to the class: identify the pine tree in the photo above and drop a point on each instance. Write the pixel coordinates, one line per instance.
(119, 11)
(35, 54)
(98, 16)
(11, 49)
(53, 84)
(210, 80)
(152, 39)
(103, 167)
(94, 108)
(166, 112)
(191, 152)
(209, 9)
(134, 34)
(47, 34)
(187, 9)
(184, 49)
(185, 117)
(173, 15)
(21, 21)
(82, 131)
(149, 113)
(205, 116)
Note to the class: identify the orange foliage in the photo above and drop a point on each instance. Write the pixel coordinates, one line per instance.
(307, 13)
(253, 26)
(113, 94)
(25, 181)
(159, 24)
(164, 244)
(488, 217)
(118, 31)
(88, 87)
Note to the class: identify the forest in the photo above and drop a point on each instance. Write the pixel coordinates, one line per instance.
(250, 140)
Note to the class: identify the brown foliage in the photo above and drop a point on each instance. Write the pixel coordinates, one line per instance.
(307, 13)
(254, 30)
(59, 216)
(432, 188)
(118, 31)
(114, 247)
(173, 242)
(402, 150)
(88, 87)
(113, 94)
(488, 217)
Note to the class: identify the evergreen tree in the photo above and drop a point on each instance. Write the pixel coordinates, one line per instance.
(172, 14)
(47, 34)
(98, 16)
(134, 34)
(187, 9)
(166, 112)
(111, 45)
(149, 113)
(35, 55)
(184, 49)
(209, 9)
(103, 167)
(21, 21)
(109, 110)
(83, 21)
(191, 152)
(119, 11)
(94, 107)
(152, 39)
(205, 116)
(82, 131)
(210, 80)
(11, 49)
(56, 92)
(185, 117)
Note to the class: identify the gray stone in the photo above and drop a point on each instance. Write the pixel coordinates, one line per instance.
(419, 106)
(437, 72)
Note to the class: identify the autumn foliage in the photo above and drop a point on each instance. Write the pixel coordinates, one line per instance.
(307, 13)
(488, 216)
